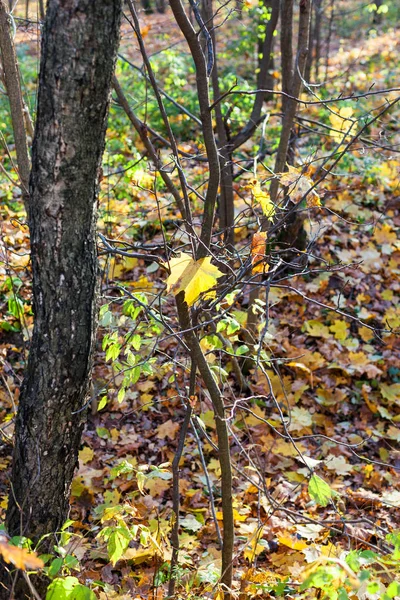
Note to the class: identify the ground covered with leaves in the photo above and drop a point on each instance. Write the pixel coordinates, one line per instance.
(314, 426)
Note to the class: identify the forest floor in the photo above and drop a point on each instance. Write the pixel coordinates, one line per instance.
(332, 356)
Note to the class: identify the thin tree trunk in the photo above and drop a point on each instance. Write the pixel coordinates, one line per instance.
(225, 204)
(311, 35)
(377, 19)
(286, 48)
(329, 36)
(198, 357)
(294, 75)
(262, 78)
(317, 36)
(17, 105)
(294, 90)
(79, 48)
(42, 11)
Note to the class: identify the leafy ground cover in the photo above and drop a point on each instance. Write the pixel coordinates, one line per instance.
(316, 458)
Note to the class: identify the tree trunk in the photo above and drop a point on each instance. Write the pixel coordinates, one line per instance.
(317, 36)
(79, 46)
(286, 49)
(18, 108)
(293, 73)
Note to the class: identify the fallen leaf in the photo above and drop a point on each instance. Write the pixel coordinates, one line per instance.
(86, 455)
(319, 490)
(168, 429)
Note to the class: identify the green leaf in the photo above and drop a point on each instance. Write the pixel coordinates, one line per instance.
(55, 567)
(319, 490)
(113, 352)
(123, 467)
(68, 588)
(243, 349)
(117, 544)
(81, 592)
(394, 538)
(61, 588)
(393, 589)
(102, 403)
(103, 433)
(136, 341)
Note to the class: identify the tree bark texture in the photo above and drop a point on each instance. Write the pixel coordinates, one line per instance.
(79, 47)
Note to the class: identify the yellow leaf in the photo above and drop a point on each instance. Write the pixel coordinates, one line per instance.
(142, 283)
(299, 365)
(340, 121)
(384, 234)
(192, 276)
(20, 557)
(387, 295)
(299, 185)
(237, 517)
(139, 555)
(340, 329)
(366, 334)
(263, 198)
(390, 392)
(253, 547)
(168, 429)
(292, 543)
(316, 329)
(252, 420)
(86, 454)
(391, 317)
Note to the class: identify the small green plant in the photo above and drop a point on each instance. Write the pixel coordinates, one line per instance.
(358, 572)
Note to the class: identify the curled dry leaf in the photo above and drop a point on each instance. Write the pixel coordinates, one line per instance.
(258, 258)
(299, 184)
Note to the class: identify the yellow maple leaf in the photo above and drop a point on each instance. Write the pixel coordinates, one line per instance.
(263, 198)
(299, 184)
(289, 542)
(191, 276)
(340, 329)
(341, 123)
(86, 454)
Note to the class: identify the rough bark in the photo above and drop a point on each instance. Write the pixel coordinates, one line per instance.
(79, 46)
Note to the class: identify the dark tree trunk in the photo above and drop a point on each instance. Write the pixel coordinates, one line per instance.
(317, 35)
(79, 46)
